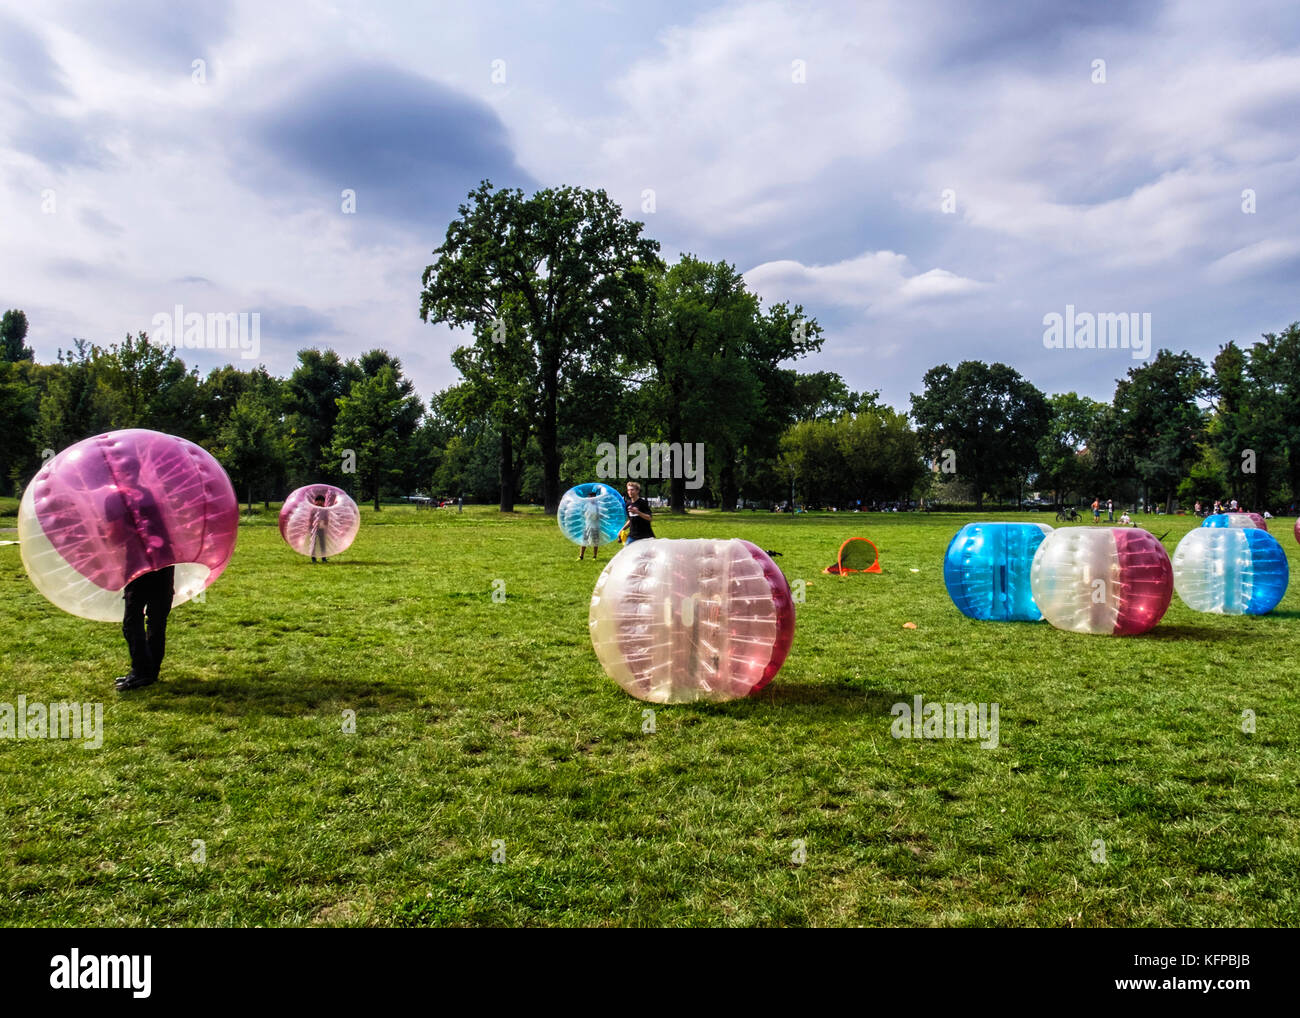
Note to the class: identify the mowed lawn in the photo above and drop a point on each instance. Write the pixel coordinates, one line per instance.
(488, 727)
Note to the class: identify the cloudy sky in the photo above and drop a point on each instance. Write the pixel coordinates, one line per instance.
(928, 179)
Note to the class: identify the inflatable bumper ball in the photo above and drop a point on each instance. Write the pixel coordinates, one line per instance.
(319, 530)
(116, 506)
(1238, 571)
(1235, 520)
(674, 621)
(986, 570)
(591, 514)
(1111, 580)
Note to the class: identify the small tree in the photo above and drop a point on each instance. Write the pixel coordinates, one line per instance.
(251, 443)
(375, 423)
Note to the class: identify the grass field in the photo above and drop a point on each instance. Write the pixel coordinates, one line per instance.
(485, 726)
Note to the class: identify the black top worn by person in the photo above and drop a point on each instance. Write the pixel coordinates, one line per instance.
(639, 526)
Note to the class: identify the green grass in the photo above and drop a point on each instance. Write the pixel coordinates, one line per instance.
(479, 721)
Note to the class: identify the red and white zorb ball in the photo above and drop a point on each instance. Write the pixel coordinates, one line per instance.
(116, 506)
(325, 530)
(674, 621)
(1114, 580)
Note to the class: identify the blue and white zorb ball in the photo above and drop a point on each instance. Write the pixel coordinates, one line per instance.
(1230, 571)
(591, 514)
(1235, 520)
(987, 567)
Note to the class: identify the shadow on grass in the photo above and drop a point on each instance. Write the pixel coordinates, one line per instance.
(358, 562)
(836, 696)
(1208, 633)
(284, 696)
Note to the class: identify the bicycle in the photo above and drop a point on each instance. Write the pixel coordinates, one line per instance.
(1068, 514)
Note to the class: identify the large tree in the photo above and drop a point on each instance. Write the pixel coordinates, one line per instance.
(311, 396)
(77, 403)
(1157, 419)
(251, 443)
(1066, 460)
(150, 386)
(555, 272)
(13, 332)
(375, 423)
(706, 334)
(989, 417)
(1273, 418)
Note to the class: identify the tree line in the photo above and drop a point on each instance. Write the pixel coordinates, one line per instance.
(577, 334)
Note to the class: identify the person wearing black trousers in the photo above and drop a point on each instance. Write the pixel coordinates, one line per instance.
(148, 600)
(149, 596)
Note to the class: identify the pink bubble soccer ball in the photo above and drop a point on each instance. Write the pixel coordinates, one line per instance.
(1111, 580)
(116, 506)
(319, 530)
(674, 621)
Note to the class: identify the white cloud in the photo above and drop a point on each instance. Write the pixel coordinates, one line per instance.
(877, 280)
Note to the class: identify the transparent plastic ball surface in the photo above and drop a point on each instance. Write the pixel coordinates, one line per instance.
(1230, 571)
(116, 506)
(319, 530)
(591, 514)
(1113, 580)
(674, 621)
(1235, 520)
(986, 570)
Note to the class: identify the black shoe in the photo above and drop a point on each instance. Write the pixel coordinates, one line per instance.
(134, 681)
(324, 560)
(313, 558)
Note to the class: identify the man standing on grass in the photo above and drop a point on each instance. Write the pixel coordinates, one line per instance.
(638, 514)
(135, 513)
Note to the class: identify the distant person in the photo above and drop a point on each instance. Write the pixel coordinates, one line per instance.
(1197, 508)
(1124, 519)
(317, 522)
(1267, 515)
(638, 514)
(1096, 510)
(1234, 505)
(460, 503)
(1110, 510)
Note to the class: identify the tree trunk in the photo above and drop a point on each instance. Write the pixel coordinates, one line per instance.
(505, 472)
(250, 498)
(677, 486)
(550, 454)
(727, 485)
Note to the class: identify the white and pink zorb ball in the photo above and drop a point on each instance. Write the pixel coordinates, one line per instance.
(319, 530)
(674, 621)
(1235, 521)
(116, 506)
(1113, 580)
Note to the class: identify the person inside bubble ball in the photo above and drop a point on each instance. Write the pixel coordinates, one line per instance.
(638, 514)
(135, 513)
(590, 530)
(318, 521)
